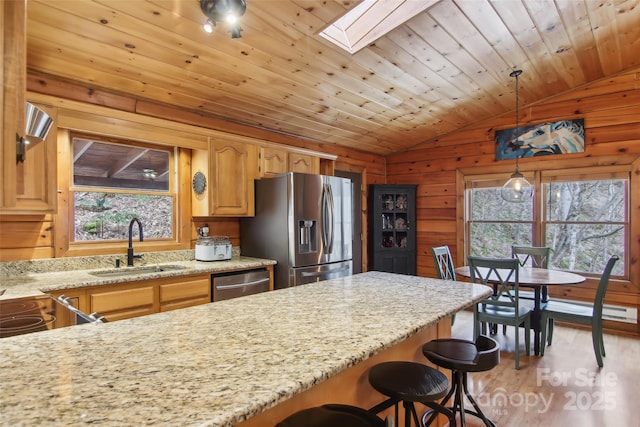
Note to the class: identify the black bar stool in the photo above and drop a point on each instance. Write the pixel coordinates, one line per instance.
(462, 356)
(334, 415)
(410, 382)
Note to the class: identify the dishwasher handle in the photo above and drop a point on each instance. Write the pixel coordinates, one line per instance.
(240, 285)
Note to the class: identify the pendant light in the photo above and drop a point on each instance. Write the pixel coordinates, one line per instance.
(517, 189)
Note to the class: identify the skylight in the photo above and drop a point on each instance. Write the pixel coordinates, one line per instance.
(370, 20)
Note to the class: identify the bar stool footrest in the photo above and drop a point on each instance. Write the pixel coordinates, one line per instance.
(426, 423)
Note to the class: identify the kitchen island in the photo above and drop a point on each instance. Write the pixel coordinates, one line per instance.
(223, 363)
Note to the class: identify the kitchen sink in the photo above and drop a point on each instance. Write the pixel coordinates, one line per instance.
(135, 271)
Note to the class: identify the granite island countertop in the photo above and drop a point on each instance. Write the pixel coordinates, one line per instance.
(216, 364)
(24, 280)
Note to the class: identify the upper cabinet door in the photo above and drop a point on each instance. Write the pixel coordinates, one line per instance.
(29, 186)
(233, 169)
(273, 161)
(306, 163)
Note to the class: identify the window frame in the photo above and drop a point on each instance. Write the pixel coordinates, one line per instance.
(538, 178)
(591, 174)
(60, 221)
(171, 192)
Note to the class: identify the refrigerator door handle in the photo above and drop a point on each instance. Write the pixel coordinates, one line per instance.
(328, 218)
(324, 273)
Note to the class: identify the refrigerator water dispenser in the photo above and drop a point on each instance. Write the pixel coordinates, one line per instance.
(308, 237)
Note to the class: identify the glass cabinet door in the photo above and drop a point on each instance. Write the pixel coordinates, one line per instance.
(394, 220)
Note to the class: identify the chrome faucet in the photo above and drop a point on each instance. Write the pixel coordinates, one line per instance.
(130, 255)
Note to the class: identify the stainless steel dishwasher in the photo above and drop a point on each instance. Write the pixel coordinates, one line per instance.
(238, 284)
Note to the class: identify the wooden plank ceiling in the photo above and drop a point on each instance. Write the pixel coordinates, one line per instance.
(444, 69)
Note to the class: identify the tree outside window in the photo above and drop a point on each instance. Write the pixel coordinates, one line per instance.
(585, 223)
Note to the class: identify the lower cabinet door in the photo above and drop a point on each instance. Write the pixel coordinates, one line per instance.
(186, 292)
(122, 301)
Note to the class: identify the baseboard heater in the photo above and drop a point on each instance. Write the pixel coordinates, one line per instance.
(617, 313)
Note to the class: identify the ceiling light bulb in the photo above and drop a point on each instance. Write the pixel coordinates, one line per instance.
(209, 26)
(231, 18)
(149, 173)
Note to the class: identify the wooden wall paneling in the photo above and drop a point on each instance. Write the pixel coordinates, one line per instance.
(21, 254)
(576, 107)
(626, 147)
(438, 213)
(432, 202)
(182, 210)
(12, 98)
(26, 234)
(40, 83)
(123, 124)
(63, 217)
(122, 128)
(217, 227)
(615, 133)
(432, 189)
(26, 237)
(614, 116)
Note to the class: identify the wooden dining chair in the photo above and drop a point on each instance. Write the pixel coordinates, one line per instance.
(444, 263)
(504, 306)
(575, 313)
(532, 256)
(444, 266)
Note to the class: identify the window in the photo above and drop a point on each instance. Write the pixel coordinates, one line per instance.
(115, 181)
(494, 224)
(583, 218)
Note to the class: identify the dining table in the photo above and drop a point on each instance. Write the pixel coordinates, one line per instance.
(539, 279)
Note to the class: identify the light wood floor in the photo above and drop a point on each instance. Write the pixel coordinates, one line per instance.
(565, 387)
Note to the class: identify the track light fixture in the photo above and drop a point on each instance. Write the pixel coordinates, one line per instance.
(228, 11)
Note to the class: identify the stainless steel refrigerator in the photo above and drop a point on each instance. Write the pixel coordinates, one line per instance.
(304, 222)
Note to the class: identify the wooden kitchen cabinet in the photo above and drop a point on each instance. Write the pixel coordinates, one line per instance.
(123, 301)
(141, 297)
(273, 161)
(187, 292)
(306, 163)
(231, 168)
(28, 187)
(232, 164)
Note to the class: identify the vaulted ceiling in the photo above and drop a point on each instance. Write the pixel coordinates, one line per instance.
(445, 68)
